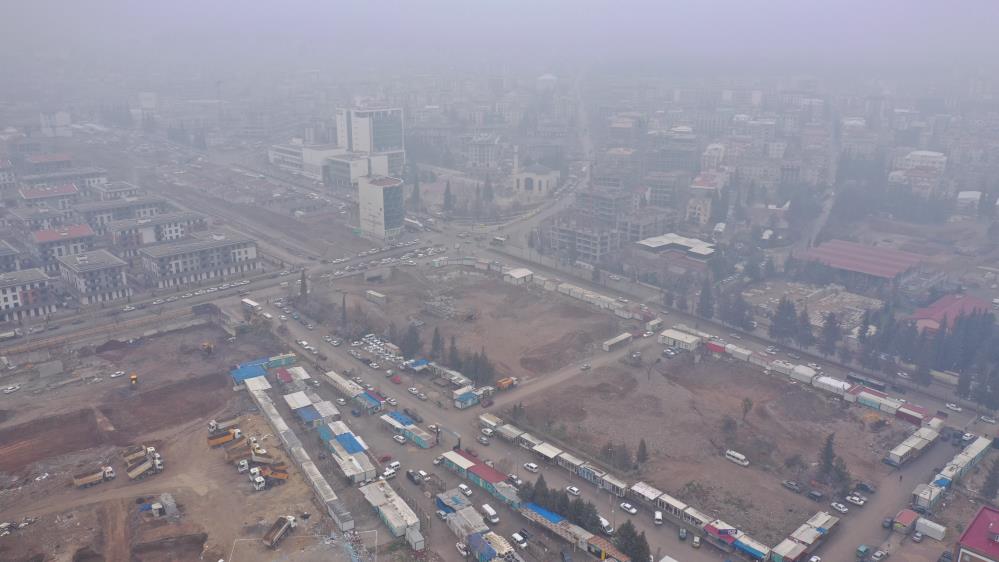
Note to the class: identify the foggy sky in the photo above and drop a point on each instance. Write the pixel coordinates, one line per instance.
(911, 33)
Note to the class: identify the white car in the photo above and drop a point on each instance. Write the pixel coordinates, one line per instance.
(462, 549)
(628, 508)
(12, 389)
(399, 439)
(987, 419)
(953, 407)
(856, 500)
(487, 432)
(572, 490)
(412, 390)
(157, 302)
(839, 507)
(465, 489)
(128, 309)
(531, 467)
(117, 374)
(392, 401)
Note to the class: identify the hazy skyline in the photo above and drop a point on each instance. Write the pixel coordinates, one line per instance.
(766, 35)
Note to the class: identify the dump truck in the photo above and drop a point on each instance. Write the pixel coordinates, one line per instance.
(144, 468)
(237, 452)
(93, 477)
(274, 475)
(506, 383)
(220, 438)
(136, 452)
(258, 481)
(260, 456)
(219, 424)
(279, 530)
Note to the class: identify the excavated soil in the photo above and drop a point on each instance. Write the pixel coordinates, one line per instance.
(26, 443)
(183, 547)
(167, 405)
(556, 354)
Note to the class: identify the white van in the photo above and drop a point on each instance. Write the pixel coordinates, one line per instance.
(657, 517)
(736, 457)
(465, 489)
(519, 540)
(388, 474)
(606, 526)
(394, 465)
(490, 513)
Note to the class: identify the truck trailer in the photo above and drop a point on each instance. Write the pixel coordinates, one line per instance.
(279, 530)
(93, 477)
(144, 468)
(219, 424)
(136, 452)
(220, 438)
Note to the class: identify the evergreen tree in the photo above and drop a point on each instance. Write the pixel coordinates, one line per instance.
(828, 456)
(411, 343)
(706, 302)
(784, 323)
(803, 336)
(831, 334)
(436, 345)
(622, 457)
(453, 356)
(541, 491)
(631, 543)
(643, 454)
(448, 197)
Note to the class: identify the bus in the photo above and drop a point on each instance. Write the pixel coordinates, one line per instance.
(498, 240)
(250, 305)
(866, 381)
(738, 458)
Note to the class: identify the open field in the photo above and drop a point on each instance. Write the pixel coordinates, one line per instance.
(681, 410)
(526, 333)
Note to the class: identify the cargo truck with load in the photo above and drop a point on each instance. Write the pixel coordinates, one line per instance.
(279, 530)
(93, 477)
(220, 438)
(144, 468)
(220, 424)
(134, 453)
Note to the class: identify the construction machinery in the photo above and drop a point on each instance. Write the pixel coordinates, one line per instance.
(207, 348)
(133, 380)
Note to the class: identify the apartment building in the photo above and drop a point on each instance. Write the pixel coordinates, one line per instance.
(94, 277)
(100, 214)
(29, 219)
(10, 257)
(115, 190)
(8, 181)
(129, 235)
(58, 197)
(382, 207)
(49, 245)
(25, 294)
(201, 259)
(85, 178)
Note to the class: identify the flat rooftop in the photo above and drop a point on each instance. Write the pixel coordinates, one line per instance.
(7, 250)
(163, 218)
(65, 174)
(885, 263)
(672, 241)
(98, 206)
(22, 277)
(384, 181)
(196, 245)
(113, 186)
(91, 261)
(47, 191)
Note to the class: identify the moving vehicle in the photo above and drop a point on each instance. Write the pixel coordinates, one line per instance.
(839, 507)
(736, 457)
(490, 514)
(987, 419)
(572, 490)
(605, 526)
(279, 530)
(953, 407)
(657, 517)
(628, 508)
(12, 389)
(465, 489)
(531, 467)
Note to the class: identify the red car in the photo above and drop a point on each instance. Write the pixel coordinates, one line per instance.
(396, 379)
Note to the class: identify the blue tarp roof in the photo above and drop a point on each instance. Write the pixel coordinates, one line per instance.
(260, 361)
(749, 550)
(244, 372)
(482, 549)
(308, 413)
(349, 443)
(941, 481)
(467, 396)
(554, 518)
(401, 418)
(369, 400)
(443, 506)
(420, 363)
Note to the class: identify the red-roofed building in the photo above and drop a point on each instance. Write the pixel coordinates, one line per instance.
(60, 197)
(871, 262)
(48, 245)
(488, 473)
(946, 309)
(980, 540)
(283, 375)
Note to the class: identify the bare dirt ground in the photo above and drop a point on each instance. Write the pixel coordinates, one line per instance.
(680, 414)
(525, 333)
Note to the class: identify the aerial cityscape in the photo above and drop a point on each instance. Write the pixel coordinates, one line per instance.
(521, 282)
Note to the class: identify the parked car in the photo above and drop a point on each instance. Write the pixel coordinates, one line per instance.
(815, 495)
(987, 419)
(465, 489)
(791, 485)
(683, 533)
(12, 389)
(887, 522)
(462, 549)
(878, 556)
(952, 407)
(865, 487)
(696, 542)
(531, 467)
(839, 507)
(628, 508)
(572, 490)
(483, 440)
(917, 537)
(399, 439)
(855, 500)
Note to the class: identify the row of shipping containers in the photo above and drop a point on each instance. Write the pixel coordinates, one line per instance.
(928, 495)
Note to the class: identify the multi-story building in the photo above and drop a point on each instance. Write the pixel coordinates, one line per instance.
(128, 235)
(980, 540)
(305, 159)
(94, 277)
(699, 210)
(8, 181)
(84, 179)
(100, 214)
(534, 182)
(49, 245)
(922, 160)
(29, 219)
(382, 206)
(713, 156)
(606, 205)
(483, 151)
(664, 189)
(344, 171)
(645, 223)
(192, 261)
(582, 239)
(375, 131)
(59, 197)
(47, 163)
(24, 294)
(10, 257)
(117, 190)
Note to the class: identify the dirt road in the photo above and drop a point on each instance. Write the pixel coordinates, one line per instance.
(115, 540)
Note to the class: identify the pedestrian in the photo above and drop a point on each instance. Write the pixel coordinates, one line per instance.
(899, 477)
